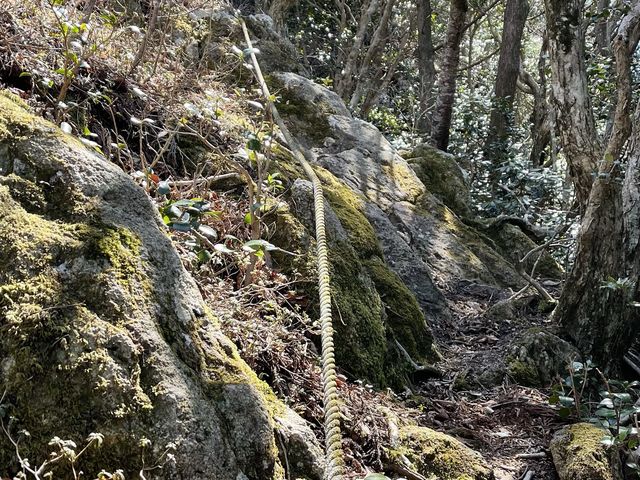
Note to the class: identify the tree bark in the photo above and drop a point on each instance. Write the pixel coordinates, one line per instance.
(569, 95)
(279, 11)
(426, 66)
(500, 124)
(601, 320)
(448, 74)
(373, 56)
(601, 32)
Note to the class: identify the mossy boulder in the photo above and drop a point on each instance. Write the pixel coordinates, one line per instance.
(513, 243)
(579, 454)
(219, 30)
(104, 331)
(538, 356)
(453, 250)
(375, 311)
(306, 106)
(437, 456)
(442, 176)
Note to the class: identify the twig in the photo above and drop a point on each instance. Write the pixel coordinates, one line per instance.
(532, 455)
(150, 30)
(405, 472)
(629, 360)
(528, 475)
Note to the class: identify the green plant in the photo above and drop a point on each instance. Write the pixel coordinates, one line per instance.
(610, 404)
(63, 452)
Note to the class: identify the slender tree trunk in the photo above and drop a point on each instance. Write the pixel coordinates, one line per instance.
(448, 74)
(569, 95)
(500, 124)
(541, 116)
(345, 81)
(602, 32)
(279, 11)
(599, 317)
(378, 87)
(426, 66)
(373, 56)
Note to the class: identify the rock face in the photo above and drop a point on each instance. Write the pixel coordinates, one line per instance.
(435, 455)
(578, 454)
(219, 30)
(421, 239)
(382, 333)
(104, 331)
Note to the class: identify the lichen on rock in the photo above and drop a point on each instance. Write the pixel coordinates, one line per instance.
(376, 311)
(538, 356)
(442, 176)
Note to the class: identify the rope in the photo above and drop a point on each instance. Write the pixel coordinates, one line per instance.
(334, 469)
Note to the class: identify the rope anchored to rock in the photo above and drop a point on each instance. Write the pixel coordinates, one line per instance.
(334, 469)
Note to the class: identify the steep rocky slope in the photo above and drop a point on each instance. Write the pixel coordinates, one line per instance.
(104, 331)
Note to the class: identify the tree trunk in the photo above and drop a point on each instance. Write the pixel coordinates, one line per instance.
(576, 125)
(378, 87)
(373, 56)
(345, 81)
(594, 311)
(448, 74)
(542, 116)
(500, 124)
(601, 32)
(426, 66)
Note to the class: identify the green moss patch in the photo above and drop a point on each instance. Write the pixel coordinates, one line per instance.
(437, 456)
(579, 454)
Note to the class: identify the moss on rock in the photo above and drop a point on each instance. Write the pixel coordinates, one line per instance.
(374, 309)
(579, 454)
(537, 357)
(102, 330)
(437, 456)
(514, 244)
(405, 319)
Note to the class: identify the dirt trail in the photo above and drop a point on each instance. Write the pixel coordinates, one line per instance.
(510, 425)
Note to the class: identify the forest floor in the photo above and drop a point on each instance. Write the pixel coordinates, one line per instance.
(510, 425)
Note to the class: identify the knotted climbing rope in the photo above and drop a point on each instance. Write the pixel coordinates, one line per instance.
(333, 439)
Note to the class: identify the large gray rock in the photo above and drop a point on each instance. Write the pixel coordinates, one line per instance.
(579, 454)
(221, 30)
(306, 106)
(103, 329)
(401, 257)
(377, 311)
(360, 156)
(452, 250)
